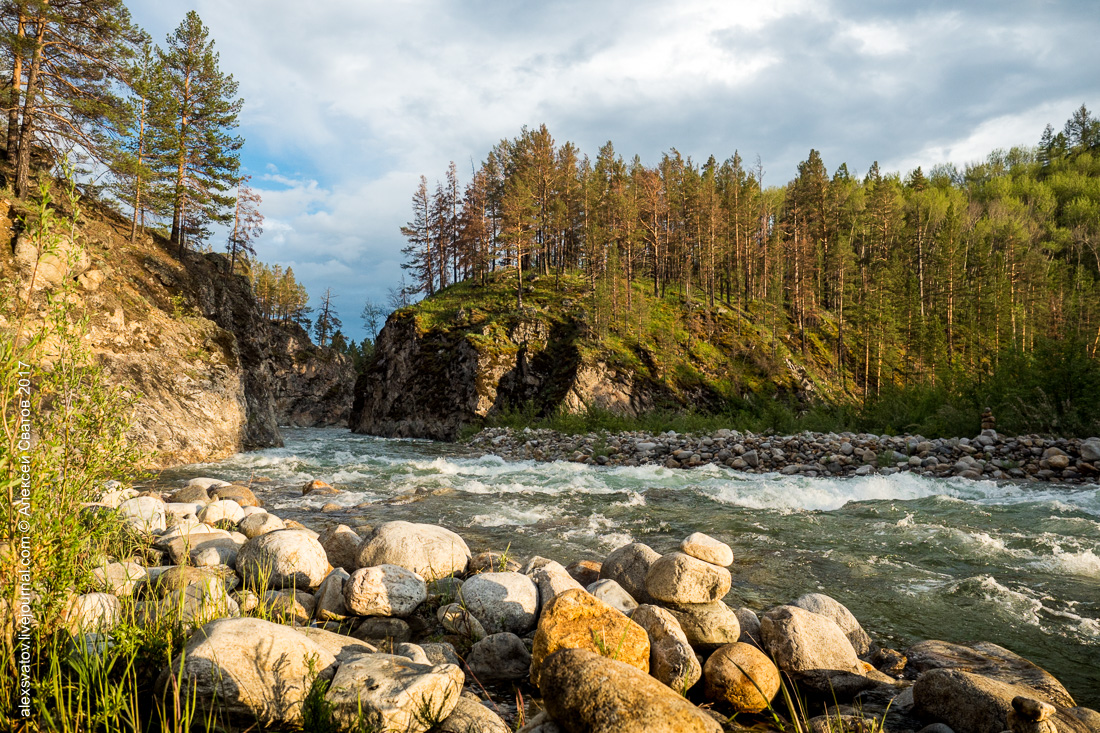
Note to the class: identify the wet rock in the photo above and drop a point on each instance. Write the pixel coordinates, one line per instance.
(585, 572)
(823, 605)
(499, 657)
(972, 703)
(191, 495)
(988, 660)
(708, 625)
(394, 693)
(260, 523)
(502, 601)
(315, 485)
(671, 658)
(586, 692)
(814, 649)
(286, 558)
(742, 676)
(227, 665)
(384, 590)
(612, 594)
(576, 620)
(242, 495)
(680, 578)
(430, 551)
(706, 548)
(628, 566)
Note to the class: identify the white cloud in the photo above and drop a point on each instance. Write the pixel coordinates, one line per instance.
(347, 103)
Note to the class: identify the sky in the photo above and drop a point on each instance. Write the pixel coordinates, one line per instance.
(348, 102)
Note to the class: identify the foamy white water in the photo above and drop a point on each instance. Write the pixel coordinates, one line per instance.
(913, 558)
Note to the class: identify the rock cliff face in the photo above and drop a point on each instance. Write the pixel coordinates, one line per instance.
(433, 383)
(214, 376)
(468, 352)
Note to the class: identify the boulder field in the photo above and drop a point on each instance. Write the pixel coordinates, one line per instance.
(404, 629)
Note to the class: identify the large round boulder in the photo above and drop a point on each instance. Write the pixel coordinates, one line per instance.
(145, 513)
(260, 523)
(341, 543)
(628, 566)
(392, 693)
(428, 550)
(285, 558)
(584, 691)
(240, 494)
(221, 509)
(384, 590)
(741, 676)
(681, 578)
(671, 658)
(502, 601)
(254, 670)
(829, 607)
(577, 620)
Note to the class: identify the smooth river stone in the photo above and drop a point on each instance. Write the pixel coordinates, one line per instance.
(680, 578)
(706, 548)
(384, 590)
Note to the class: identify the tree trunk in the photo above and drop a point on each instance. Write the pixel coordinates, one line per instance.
(13, 99)
(26, 134)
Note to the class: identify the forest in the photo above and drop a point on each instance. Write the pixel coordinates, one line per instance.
(931, 276)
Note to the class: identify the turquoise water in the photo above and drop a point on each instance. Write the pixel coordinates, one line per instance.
(913, 558)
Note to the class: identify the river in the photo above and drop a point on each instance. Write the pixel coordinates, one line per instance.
(913, 558)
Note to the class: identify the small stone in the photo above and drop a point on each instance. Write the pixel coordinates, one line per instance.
(612, 594)
(457, 620)
(707, 549)
(242, 495)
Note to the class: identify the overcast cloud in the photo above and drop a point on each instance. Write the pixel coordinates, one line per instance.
(347, 103)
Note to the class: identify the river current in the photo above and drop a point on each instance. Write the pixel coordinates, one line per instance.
(914, 558)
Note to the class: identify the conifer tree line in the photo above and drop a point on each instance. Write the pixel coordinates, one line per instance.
(86, 86)
(912, 275)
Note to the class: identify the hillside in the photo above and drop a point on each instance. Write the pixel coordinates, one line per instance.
(467, 353)
(213, 375)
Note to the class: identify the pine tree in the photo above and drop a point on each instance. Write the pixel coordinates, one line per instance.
(67, 62)
(200, 149)
(247, 223)
(419, 253)
(136, 182)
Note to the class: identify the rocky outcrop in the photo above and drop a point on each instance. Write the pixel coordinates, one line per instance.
(431, 382)
(212, 375)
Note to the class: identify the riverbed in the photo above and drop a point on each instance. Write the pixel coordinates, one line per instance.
(914, 558)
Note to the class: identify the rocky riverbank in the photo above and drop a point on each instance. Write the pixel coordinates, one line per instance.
(989, 455)
(402, 627)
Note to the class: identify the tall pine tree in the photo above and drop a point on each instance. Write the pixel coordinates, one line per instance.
(201, 149)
